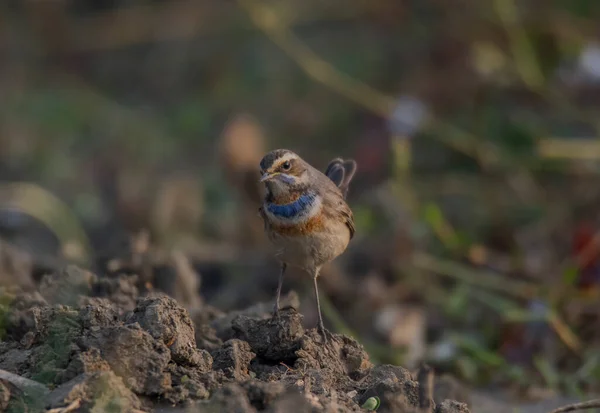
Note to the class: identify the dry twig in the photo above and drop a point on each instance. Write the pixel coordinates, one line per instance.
(76, 404)
(592, 404)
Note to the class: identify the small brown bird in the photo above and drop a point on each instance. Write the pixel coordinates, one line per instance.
(305, 214)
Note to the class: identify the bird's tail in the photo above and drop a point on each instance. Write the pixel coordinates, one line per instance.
(341, 173)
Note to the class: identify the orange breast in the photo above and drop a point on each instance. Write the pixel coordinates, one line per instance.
(314, 224)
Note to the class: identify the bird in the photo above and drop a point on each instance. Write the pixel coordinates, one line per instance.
(305, 215)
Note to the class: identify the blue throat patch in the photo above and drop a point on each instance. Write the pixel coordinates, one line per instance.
(293, 209)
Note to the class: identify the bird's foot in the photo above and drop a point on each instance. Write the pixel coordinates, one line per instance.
(326, 335)
(276, 317)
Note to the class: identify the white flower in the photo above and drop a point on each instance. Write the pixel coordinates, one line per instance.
(408, 116)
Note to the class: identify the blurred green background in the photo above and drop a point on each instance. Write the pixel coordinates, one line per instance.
(474, 124)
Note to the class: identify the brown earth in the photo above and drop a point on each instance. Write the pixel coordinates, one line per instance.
(83, 343)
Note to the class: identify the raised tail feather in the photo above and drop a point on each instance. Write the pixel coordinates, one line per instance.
(341, 173)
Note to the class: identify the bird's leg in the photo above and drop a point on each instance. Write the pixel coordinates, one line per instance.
(321, 326)
(276, 306)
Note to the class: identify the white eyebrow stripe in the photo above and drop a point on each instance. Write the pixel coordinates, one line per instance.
(284, 158)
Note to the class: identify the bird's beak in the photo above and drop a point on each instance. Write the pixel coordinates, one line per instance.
(267, 176)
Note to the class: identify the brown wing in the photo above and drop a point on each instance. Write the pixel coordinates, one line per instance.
(348, 219)
(337, 208)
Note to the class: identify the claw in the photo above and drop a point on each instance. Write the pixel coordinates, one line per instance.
(324, 334)
(276, 315)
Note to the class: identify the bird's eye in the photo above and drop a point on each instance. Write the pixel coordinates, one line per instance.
(286, 165)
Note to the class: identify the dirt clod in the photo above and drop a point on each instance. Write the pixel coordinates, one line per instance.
(170, 323)
(14, 359)
(86, 362)
(134, 355)
(230, 398)
(341, 355)
(206, 334)
(393, 385)
(394, 394)
(223, 323)
(98, 312)
(262, 394)
(99, 391)
(272, 340)
(189, 384)
(35, 324)
(234, 359)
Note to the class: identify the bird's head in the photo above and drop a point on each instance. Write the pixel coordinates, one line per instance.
(283, 172)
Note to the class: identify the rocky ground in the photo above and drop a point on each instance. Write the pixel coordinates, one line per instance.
(83, 343)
